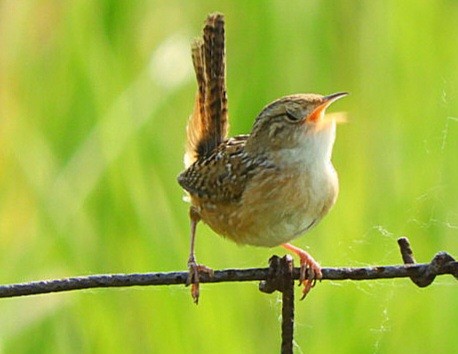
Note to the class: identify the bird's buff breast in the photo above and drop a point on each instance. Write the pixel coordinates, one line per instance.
(275, 207)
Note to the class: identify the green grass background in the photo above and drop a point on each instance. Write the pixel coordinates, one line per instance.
(94, 98)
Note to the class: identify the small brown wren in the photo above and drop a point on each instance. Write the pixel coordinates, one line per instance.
(265, 188)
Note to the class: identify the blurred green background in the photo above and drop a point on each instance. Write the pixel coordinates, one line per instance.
(94, 99)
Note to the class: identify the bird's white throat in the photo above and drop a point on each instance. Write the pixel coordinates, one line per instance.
(313, 147)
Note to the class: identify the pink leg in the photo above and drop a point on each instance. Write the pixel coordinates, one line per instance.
(310, 269)
(194, 268)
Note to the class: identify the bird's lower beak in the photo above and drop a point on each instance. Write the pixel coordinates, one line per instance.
(318, 112)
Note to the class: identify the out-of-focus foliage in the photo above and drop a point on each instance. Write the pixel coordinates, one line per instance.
(94, 98)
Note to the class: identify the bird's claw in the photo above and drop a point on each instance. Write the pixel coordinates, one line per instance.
(193, 278)
(310, 272)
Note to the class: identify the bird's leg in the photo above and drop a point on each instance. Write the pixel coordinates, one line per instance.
(310, 269)
(193, 267)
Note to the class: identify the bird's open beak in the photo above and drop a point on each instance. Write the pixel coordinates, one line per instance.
(318, 112)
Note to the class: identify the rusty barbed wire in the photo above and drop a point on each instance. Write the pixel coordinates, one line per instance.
(279, 276)
(421, 274)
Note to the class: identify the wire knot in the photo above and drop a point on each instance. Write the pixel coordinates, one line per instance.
(279, 276)
(441, 263)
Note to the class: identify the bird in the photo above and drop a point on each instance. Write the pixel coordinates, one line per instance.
(265, 188)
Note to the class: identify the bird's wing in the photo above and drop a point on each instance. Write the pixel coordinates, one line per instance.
(222, 177)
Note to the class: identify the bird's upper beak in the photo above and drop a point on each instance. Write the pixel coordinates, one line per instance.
(317, 113)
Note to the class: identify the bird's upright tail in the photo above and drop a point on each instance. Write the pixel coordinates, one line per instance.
(208, 124)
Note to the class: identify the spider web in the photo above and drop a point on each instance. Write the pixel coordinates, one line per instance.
(433, 198)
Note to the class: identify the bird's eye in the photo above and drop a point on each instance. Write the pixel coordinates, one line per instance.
(292, 116)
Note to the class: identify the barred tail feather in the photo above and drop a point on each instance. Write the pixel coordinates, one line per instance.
(208, 125)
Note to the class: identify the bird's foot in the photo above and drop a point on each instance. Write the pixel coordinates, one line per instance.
(310, 273)
(310, 269)
(193, 278)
